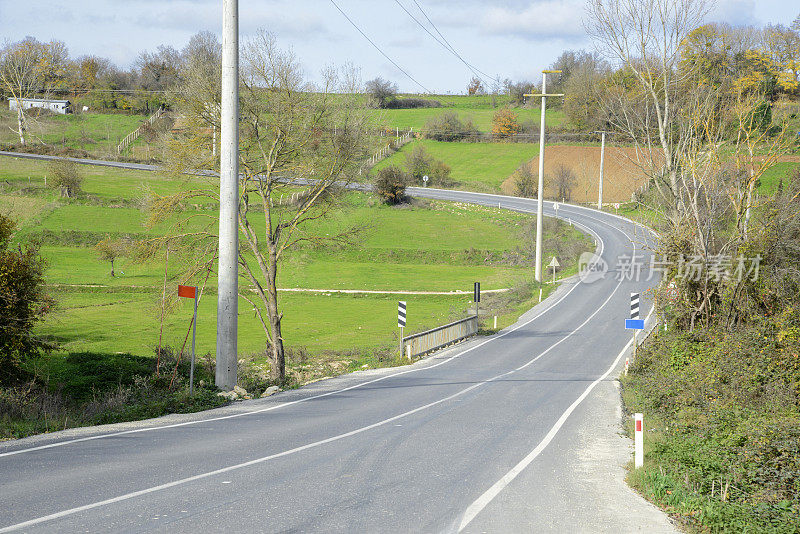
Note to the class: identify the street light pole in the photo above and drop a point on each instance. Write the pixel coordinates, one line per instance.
(228, 273)
(540, 194)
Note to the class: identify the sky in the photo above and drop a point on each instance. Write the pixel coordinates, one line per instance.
(503, 38)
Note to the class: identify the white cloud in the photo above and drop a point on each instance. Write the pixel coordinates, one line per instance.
(538, 21)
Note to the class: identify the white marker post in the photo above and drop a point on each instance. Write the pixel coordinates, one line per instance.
(401, 321)
(638, 440)
(190, 292)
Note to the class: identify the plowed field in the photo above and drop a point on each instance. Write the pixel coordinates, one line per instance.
(622, 176)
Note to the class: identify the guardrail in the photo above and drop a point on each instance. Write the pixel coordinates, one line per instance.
(440, 336)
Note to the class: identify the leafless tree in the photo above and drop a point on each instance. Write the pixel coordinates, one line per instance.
(29, 68)
(298, 140)
(644, 38)
(563, 181)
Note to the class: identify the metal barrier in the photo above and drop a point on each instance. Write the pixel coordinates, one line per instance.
(440, 336)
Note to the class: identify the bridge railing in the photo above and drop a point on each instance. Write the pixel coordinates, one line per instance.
(440, 336)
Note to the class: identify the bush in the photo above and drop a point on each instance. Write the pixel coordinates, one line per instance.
(65, 175)
(505, 124)
(419, 163)
(525, 181)
(448, 127)
(391, 184)
(23, 303)
(411, 103)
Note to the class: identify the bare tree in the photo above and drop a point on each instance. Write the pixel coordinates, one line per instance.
(563, 181)
(29, 68)
(295, 138)
(644, 37)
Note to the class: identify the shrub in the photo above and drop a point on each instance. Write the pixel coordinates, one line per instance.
(411, 103)
(448, 127)
(505, 124)
(65, 175)
(390, 184)
(23, 303)
(419, 163)
(525, 181)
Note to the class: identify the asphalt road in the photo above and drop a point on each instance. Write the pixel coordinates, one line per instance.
(499, 434)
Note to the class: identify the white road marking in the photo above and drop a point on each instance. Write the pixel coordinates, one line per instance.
(128, 496)
(481, 502)
(313, 397)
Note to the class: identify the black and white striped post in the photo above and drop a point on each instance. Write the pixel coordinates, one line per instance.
(401, 321)
(634, 316)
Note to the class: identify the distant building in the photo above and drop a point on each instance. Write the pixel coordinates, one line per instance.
(56, 106)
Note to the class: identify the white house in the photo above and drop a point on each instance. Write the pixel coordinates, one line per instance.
(56, 106)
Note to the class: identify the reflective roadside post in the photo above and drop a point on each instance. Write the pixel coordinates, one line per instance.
(190, 292)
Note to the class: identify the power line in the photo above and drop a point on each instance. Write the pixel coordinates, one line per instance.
(451, 48)
(446, 47)
(379, 49)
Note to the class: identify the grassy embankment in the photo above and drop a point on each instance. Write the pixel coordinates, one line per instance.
(722, 417)
(428, 246)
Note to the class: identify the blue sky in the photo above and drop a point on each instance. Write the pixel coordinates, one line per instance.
(503, 38)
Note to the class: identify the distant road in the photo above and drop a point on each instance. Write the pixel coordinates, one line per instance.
(517, 432)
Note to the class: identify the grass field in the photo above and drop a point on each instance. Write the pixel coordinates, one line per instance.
(93, 132)
(474, 166)
(772, 177)
(481, 118)
(429, 246)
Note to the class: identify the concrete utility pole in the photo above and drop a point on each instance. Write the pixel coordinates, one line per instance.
(540, 195)
(602, 165)
(228, 280)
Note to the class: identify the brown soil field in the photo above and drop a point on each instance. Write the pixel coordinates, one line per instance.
(622, 177)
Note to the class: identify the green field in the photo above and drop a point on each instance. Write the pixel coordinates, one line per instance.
(427, 246)
(474, 166)
(93, 132)
(771, 178)
(481, 118)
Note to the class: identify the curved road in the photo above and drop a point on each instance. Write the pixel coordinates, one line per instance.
(478, 437)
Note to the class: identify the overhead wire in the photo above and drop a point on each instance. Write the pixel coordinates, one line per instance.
(445, 46)
(401, 69)
(450, 46)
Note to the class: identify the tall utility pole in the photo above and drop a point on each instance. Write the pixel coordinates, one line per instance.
(228, 277)
(602, 162)
(540, 195)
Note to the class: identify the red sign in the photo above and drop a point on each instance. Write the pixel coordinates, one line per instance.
(188, 292)
(639, 425)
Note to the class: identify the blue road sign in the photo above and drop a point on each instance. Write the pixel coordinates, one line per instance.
(634, 324)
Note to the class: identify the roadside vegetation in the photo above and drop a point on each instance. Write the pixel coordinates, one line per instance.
(718, 381)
